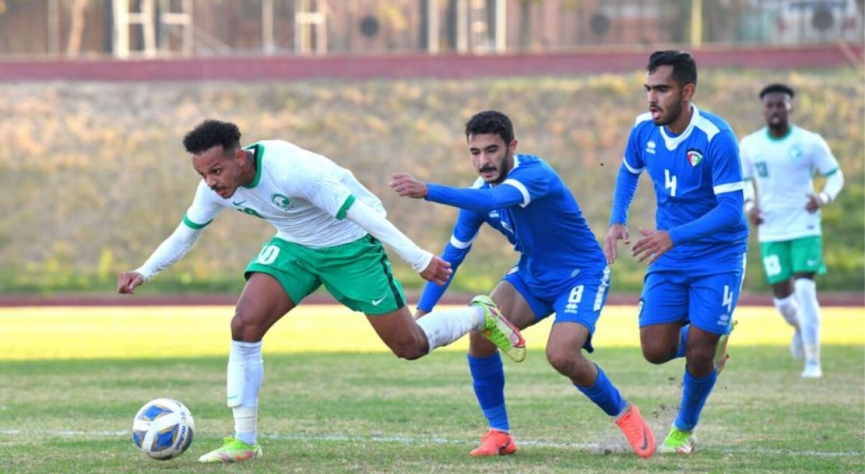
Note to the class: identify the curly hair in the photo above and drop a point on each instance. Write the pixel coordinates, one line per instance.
(493, 122)
(210, 133)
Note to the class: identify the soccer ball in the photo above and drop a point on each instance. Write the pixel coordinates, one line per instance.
(163, 428)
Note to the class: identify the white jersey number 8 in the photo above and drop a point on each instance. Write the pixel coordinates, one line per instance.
(772, 265)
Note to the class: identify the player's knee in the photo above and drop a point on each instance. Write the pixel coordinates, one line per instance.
(656, 355)
(700, 353)
(407, 351)
(562, 359)
(244, 328)
(409, 348)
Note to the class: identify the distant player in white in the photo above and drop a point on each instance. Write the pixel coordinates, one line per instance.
(329, 232)
(780, 160)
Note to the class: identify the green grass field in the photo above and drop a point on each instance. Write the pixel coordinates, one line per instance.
(334, 400)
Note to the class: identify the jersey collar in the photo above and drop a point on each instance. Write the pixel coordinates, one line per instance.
(673, 141)
(779, 139)
(258, 149)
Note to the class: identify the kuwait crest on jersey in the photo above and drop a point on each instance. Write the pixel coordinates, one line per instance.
(694, 157)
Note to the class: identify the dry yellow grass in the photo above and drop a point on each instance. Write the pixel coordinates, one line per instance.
(145, 332)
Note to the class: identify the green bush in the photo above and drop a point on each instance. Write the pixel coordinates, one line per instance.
(95, 175)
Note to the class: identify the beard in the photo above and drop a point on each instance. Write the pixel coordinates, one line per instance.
(502, 169)
(777, 126)
(669, 115)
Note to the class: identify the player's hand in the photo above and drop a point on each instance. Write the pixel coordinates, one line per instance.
(616, 233)
(438, 271)
(127, 282)
(419, 314)
(813, 204)
(653, 244)
(407, 186)
(755, 215)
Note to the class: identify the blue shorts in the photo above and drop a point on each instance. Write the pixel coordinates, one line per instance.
(705, 301)
(582, 303)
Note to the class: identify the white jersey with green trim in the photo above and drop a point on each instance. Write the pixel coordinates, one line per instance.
(304, 195)
(782, 170)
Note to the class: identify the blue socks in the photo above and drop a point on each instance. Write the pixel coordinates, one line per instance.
(694, 395)
(488, 380)
(605, 395)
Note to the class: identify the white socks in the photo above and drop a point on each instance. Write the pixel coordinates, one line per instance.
(246, 424)
(809, 317)
(245, 373)
(444, 327)
(789, 309)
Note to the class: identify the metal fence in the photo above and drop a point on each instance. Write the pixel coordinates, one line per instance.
(160, 28)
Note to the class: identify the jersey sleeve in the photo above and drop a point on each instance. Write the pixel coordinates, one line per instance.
(633, 158)
(204, 208)
(627, 179)
(465, 232)
(824, 161)
(726, 165)
(201, 212)
(478, 200)
(532, 183)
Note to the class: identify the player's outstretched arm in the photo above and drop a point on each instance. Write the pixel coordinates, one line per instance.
(438, 271)
(407, 186)
(615, 233)
(128, 281)
(168, 253)
(478, 200)
(429, 266)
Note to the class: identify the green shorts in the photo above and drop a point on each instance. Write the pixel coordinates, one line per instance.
(781, 260)
(358, 274)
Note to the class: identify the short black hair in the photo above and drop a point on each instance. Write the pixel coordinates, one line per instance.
(684, 66)
(777, 88)
(210, 133)
(491, 121)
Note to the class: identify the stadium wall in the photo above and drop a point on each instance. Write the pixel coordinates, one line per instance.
(414, 66)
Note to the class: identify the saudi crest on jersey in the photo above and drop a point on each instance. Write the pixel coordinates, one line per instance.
(694, 157)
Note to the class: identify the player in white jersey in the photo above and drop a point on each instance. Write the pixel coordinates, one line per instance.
(329, 232)
(780, 160)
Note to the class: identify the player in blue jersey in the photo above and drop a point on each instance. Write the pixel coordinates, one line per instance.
(561, 270)
(696, 256)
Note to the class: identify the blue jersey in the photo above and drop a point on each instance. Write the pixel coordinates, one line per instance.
(536, 212)
(697, 177)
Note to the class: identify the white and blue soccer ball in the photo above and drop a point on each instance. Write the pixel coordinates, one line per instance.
(163, 428)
